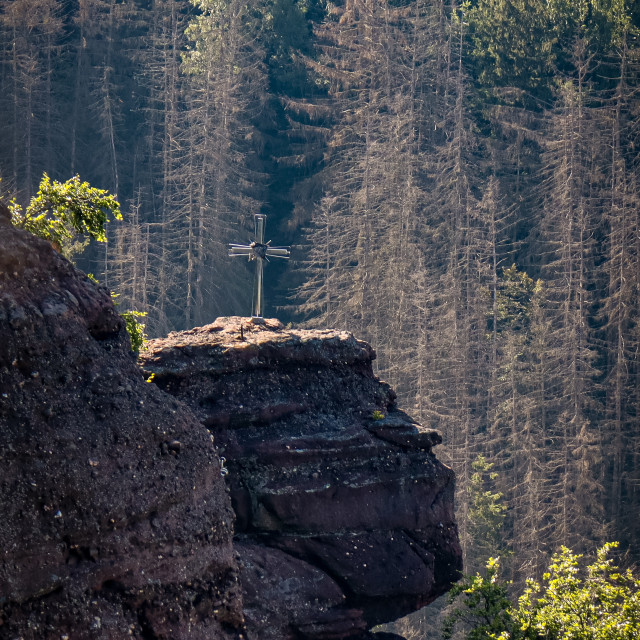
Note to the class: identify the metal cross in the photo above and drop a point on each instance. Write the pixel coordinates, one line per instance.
(259, 251)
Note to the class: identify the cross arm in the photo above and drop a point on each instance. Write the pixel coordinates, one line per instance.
(240, 250)
(279, 252)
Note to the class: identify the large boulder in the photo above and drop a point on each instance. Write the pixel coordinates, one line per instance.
(116, 522)
(344, 516)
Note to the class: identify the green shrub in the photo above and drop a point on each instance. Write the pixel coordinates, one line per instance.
(595, 602)
(135, 329)
(65, 213)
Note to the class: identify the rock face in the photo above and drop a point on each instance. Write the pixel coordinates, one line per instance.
(116, 522)
(116, 519)
(344, 517)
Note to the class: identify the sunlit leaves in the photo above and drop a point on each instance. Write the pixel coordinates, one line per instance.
(62, 211)
(572, 602)
(522, 43)
(598, 602)
(511, 41)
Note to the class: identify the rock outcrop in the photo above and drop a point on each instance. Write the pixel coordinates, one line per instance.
(116, 522)
(116, 519)
(344, 516)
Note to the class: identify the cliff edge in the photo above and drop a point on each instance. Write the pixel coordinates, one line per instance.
(344, 516)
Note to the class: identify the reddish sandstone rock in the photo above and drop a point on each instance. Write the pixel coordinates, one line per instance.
(115, 519)
(344, 516)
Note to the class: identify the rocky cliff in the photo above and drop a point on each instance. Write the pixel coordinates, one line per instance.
(116, 522)
(344, 516)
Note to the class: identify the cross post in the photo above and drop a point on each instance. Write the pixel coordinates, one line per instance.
(259, 251)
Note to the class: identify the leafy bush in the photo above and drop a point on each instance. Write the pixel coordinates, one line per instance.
(64, 212)
(597, 602)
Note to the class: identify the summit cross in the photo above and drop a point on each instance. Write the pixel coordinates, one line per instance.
(259, 251)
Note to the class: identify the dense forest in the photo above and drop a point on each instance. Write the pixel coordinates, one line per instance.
(460, 183)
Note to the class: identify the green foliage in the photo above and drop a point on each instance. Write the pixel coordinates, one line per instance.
(486, 509)
(483, 609)
(286, 23)
(597, 602)
(282, 28)
(523, 43)
(511, 42)
(516, 295)
(285, 32)
(206, 31)
(62, 211)
(602, 23)
(135, 329)
(377, 415)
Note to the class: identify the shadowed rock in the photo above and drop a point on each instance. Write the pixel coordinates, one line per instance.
(115, 519)
(344, 517)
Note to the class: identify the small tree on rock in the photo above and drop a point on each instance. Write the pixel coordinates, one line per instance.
(67, 214)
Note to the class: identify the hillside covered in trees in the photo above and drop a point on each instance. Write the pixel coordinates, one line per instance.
(461, 185)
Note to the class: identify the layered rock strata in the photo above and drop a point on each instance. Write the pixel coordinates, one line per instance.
(344, 516)
(116, 522)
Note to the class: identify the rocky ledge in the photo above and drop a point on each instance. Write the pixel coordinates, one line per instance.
(344, 516)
